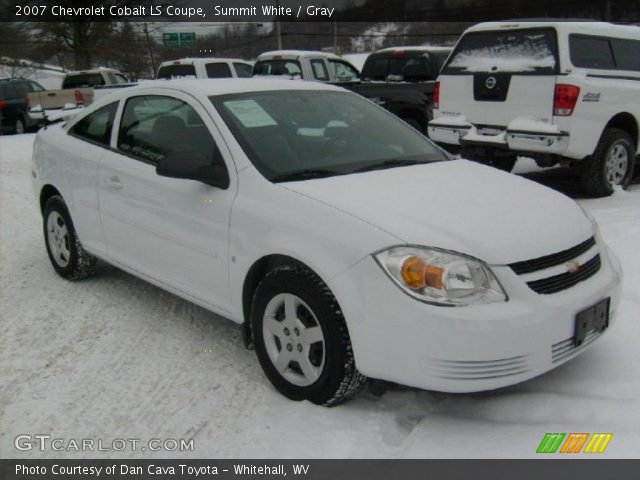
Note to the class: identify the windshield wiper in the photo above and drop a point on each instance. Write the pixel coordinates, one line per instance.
(306, 174)
(393, 162)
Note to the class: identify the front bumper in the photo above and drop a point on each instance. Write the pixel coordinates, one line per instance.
(512, 138)
(466, 349)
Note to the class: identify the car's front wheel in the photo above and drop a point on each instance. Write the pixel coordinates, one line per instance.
(301, 338)
(67, 256)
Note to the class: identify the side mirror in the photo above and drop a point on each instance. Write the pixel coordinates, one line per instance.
(194, 166)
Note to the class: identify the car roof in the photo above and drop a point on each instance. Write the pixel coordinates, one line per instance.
(223, 86)
(601, 28)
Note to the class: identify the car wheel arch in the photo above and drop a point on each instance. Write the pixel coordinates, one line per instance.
(258, 271)
(46, 192)
(624, 121)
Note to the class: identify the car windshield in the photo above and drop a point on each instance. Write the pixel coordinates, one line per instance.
(296, 134)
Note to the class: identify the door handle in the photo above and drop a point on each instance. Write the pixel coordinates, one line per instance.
(112, 182)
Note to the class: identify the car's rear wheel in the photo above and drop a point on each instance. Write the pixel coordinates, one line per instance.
(610, 165)
(19, 126)
(301, 338)
(67, 256)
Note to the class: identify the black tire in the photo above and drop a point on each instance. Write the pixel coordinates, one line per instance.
(66, 254)
(338, 379)
(502, 162)
(594, 171)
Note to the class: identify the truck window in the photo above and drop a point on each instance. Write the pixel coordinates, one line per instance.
(531, 51)
(172, 71)
(320, 71)
(343, 71)
(278, 67)
(591, 52)
(96, 127)
(82, 80)
(243, 70)
(218, 70)
(626, 54)
(120, 79)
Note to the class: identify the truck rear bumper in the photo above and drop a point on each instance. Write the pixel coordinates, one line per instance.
(548, 139)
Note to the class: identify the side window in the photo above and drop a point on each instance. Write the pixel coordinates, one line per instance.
(319, 70)
(154, 126)
(243, 70)
(218, 70)
(343, 71)
(96, 127)
(120, 79)
(627, 54)
(35, 87)
(591, 52)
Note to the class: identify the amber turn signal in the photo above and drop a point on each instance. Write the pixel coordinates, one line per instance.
(416, 273)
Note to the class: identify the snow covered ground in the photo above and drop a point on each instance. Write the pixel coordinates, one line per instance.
(114, 357)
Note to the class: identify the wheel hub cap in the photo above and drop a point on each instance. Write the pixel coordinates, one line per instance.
(617, 164)
(58, 237)
(294, 339)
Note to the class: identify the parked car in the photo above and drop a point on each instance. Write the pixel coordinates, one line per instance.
(400, 80)
(559, 92)
(14, 104)
(344, 242)
(205, 68)
(79, 89)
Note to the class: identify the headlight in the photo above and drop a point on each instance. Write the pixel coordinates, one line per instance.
(441, 277)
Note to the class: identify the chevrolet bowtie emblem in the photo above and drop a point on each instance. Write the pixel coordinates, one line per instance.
(573, 266)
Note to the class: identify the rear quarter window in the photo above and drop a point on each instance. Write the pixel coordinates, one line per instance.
(96, 127)
(591, 52)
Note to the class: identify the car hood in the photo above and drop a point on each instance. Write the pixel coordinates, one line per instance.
(458, 205)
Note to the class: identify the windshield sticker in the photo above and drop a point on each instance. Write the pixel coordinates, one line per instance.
(250, 113)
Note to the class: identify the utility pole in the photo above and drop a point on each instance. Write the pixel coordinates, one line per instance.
(278, 26)
(153, 61)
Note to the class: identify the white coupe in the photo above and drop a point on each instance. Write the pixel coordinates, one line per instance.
(344, 242)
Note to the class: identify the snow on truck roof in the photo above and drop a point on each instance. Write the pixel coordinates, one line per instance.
(297, 53)
(188, 60)
(602, 28)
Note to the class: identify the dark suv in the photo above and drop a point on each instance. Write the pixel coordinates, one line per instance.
(13, 105)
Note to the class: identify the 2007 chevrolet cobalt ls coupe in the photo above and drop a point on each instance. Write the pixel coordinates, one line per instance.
(346, 243)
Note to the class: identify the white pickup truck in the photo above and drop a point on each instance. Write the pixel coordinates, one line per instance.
(559, 92)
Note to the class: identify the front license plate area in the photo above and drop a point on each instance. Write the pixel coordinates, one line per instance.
(595, 318)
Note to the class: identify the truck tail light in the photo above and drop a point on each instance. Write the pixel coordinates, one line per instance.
(436, 95)
(564, 99)
(2, 104)
(79, 98)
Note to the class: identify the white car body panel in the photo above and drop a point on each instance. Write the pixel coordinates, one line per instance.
(200, 242)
